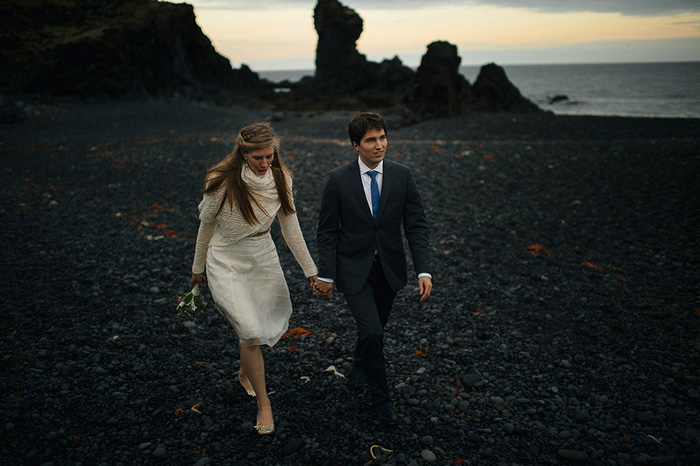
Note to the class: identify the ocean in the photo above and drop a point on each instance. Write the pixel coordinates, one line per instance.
(613, 89)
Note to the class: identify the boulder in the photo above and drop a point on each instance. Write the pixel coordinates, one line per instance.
(557, 98)
(440, 89)
(493, 92)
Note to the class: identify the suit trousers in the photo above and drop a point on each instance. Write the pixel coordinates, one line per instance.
(371, 307)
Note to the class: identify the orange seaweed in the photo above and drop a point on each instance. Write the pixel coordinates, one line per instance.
(537, 249)
(593, 266)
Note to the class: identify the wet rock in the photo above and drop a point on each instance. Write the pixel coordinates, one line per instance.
(492, 92)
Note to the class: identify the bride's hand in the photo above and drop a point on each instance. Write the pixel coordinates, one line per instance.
(197, 279)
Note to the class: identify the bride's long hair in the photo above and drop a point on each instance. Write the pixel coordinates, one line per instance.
(228, 173)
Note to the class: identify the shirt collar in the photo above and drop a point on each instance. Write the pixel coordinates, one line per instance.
(364, 169)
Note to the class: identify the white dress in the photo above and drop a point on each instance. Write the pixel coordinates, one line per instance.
(243, 269)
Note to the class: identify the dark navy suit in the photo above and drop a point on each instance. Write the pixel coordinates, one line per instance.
(367, 258)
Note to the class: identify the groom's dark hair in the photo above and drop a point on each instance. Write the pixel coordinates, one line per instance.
(362, 122)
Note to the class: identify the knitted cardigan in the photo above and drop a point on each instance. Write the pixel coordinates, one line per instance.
(229, 226)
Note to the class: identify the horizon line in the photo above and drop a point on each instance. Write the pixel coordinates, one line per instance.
(636, 62)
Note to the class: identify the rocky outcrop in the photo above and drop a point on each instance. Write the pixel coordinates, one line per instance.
(440, 89)
(340, 68)
(115, 49)
(493, 92)
(338, 63)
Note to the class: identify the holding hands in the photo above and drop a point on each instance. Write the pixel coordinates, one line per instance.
(321, 287)
(324, 288)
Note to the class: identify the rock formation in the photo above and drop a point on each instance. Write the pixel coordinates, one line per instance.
(115, 49)
(340, 68)
(493, 92)
(437, 89)
(440, 89)
(338, 63)
(142, 48)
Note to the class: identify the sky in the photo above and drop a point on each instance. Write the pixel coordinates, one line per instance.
(279, 34)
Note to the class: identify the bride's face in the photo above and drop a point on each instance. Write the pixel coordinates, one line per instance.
(260, 160)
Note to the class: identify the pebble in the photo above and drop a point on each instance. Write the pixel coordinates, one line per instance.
(160, 451)
(428, 456)
(573, 455)
(676, 414)
(292, 446)
(582, 416)
(470, 380)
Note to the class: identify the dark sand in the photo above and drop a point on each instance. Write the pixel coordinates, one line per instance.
(564, 326)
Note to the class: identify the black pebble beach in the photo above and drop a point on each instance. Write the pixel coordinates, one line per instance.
(564, 326)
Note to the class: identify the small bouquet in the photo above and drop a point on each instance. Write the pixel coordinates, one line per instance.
(191, 304)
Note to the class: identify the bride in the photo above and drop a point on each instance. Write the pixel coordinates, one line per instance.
(242, 196)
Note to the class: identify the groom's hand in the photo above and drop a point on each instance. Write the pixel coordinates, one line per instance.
(425, 286)
(323, 288)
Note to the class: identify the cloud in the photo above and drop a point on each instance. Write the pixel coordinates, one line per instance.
(624, 7)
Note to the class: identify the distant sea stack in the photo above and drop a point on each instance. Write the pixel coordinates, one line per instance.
(338, 62)
(493, 92)
(440, 89)
(340, 68)
(113, 49)
(437, 89)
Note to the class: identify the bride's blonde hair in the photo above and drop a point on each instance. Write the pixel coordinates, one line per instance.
(228, 172)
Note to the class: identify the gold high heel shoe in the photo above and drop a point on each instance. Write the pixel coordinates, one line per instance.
(265, 430)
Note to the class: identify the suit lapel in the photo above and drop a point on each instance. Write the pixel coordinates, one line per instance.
(355, 181)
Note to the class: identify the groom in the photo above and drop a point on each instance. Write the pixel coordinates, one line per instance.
(360, 247)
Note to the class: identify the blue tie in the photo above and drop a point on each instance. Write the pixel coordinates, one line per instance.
(374, 189)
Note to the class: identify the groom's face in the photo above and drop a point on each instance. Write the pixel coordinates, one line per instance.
(372, 147)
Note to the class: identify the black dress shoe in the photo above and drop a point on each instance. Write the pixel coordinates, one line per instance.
(386, 414)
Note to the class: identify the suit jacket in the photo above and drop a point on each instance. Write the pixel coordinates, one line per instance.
(348, 235)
